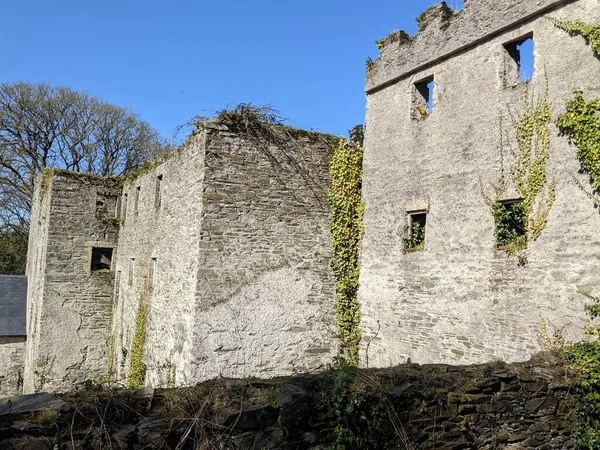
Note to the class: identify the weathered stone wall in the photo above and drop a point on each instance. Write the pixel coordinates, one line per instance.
(168, 234)
(12, 357)
(238, 249)
(69, 303)
(444, 34)
(265, 293)
(460, 299)
(488, 407)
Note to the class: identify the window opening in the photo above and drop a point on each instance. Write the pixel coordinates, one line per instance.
(124, 207)
(136, 201)
(157, 196)
(101, 259)
(520, 61)
(106, 205)
(414, 239)
(423, 98)
(131, 269)
(153, 272)
(509, 218)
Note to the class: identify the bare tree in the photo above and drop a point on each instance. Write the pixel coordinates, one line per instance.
(43, 126)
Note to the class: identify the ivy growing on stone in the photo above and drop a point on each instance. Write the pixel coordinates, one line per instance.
(581, 123)
(528, 176)
(589, 31)
(346, 211)
(137, 367)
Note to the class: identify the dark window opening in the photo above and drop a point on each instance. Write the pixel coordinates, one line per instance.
(519, 67)
(124, 207)
(509, 218)
(136, 200)
(101, 259)
(423, 98)
(414, 239)
(157, 196)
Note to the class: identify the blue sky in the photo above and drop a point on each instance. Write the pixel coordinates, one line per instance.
(169, 61)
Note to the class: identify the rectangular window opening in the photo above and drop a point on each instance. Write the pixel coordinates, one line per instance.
(423, 98)
(124, 207)
(509, 218)
(157, 196)
(136, 200)
(153, 273)
(414, 239)
(131, 270)
(519, 67)
(101, 259)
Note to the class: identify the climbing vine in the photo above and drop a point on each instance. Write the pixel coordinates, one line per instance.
(137, 367)
(346, 211)
(581, 123)
(589, 31)
(521, 222)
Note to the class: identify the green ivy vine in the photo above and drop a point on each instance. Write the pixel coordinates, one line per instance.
(581, 124)
(528, 176)
(346, 211)
(137, 367)
(589, 31)
(414, 238)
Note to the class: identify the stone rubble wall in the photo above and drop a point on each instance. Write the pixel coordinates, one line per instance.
(461, 300)
(487, 407)
(443, 34)
(69, 305)
(12, 357)
(265, 292)
(170, 233)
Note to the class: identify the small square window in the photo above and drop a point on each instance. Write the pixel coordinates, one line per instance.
(519, 61)
(422, 106)
(414, 232)
(510, 226)
(101, 259)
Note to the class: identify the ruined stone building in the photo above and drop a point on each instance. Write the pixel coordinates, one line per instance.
(214, 262)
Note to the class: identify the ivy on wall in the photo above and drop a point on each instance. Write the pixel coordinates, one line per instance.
(346, 211)
(528, 176)
(137, 367)
(589, 31)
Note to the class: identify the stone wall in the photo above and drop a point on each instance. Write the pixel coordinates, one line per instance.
(461, 299)
(12, 356)
(232, 266)
(70, 285)
(13, 300)
(487, 407)
(161, 236)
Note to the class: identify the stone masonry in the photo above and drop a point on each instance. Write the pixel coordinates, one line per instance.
(13, 298)
(223, 248)
(214, 262)
(460, 299)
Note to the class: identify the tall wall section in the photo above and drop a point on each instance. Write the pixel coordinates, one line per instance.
(13, 338)
(265, 292)
(156, 269)
(73, 236)
(461, 299)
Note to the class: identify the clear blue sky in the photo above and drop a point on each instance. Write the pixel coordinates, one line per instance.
(171, 60)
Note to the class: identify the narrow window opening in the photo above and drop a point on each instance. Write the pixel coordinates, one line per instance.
(101, 259)
(136, 200)
(423, 98)
(124, 207)
(519, 66)
(509, 218)
(131, 270)
(153, 273)
(157, 196)
(414, 239)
